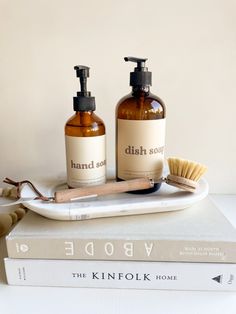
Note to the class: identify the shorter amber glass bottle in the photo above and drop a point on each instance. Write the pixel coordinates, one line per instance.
(85, 139)
(140, 130)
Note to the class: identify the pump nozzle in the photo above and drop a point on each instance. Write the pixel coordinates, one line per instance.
(140, 61)
(82, 72)
(83, 101)
(140, 76)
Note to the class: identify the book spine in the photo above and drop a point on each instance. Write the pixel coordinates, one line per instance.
(117, 249)
(118, 274)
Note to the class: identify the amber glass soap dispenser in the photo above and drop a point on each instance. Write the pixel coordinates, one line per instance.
(85, 139)
(140, 130)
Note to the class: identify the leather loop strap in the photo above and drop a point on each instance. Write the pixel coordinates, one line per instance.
(19, 184)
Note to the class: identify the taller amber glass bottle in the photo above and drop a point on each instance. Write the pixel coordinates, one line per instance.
(140, 130)
(85, 139)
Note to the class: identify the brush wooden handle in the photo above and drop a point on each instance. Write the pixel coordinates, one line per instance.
(104, 189)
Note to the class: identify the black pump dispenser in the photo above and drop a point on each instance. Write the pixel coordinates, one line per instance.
(140, 76)
(83, 101)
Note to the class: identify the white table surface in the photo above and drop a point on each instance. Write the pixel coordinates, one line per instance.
(43, 300)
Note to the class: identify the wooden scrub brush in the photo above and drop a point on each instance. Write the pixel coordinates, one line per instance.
(184, 175)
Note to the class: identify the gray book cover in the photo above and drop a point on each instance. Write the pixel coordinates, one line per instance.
(200, 233)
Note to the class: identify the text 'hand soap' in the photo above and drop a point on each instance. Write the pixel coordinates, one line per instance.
(140, 130)
(85, 139)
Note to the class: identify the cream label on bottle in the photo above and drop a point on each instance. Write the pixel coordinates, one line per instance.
(140, 148)
(86, 160)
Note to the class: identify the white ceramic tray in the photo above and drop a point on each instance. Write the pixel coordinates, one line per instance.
(168, 198)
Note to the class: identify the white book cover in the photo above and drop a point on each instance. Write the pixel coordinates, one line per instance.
(121, 274)
(200, 233)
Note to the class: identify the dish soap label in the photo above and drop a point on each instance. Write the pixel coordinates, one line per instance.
(140, 148)
(86, 160)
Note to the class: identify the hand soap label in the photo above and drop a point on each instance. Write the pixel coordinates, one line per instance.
(86, 160)
(140, 148)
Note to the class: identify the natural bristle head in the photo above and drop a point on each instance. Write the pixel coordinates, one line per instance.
(187, 169)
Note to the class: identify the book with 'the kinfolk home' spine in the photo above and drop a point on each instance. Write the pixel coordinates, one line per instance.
(200, 233)
(121, 274)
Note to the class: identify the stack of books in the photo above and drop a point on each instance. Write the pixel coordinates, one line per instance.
(191, 249)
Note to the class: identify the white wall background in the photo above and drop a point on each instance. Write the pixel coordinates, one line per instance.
(191, 46)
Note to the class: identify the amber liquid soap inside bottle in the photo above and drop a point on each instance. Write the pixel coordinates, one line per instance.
(140, 130)
(85, 139)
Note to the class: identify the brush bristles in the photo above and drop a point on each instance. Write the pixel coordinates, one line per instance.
(186, 169)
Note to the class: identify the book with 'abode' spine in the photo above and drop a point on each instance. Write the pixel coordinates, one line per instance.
(121, 274)
(200, 233)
